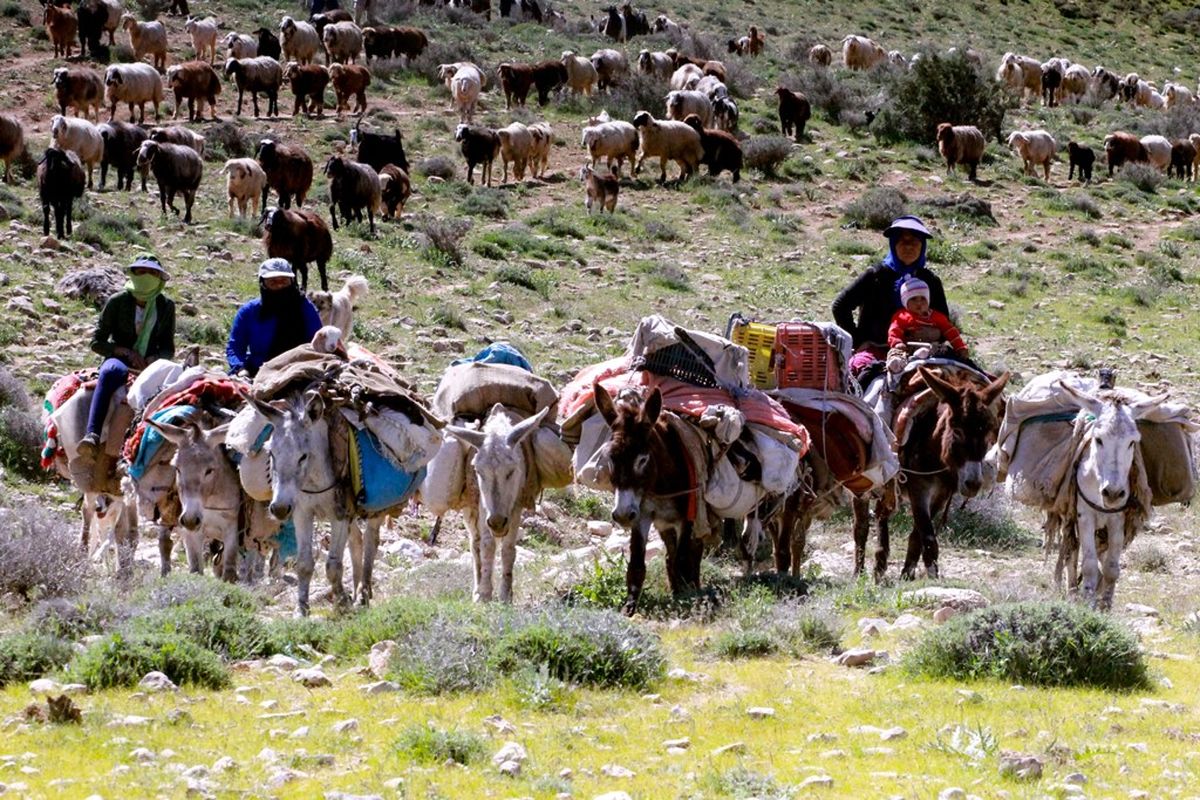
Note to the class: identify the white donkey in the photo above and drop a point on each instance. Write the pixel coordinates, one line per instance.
(1112, 497)
(500, 470)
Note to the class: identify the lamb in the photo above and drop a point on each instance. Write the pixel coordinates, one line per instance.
(301, 42)
(1158, 151)
(820, 55)
(657, 63)
(685, 76)
(611, 66)
(725, 114)
(147, 38)
(60, 181)
(861, 53)
(268, 44)
(62, 26)
(1035, 147)
(1075, 83)
(961, 144)
(177, 169)
(1083, 157)
(518, 79)
(247, 182)
(122, 141)
(614, 140)
(385, 42)
(300, 237)
(198, 83)
(134, 84)
(446, 72)
(539, 158)
(177, 134)
(682, 104)
(409, 42)
(1122, 148)
(1177, 95)
(204, 37)
(1183, 156)
(581, 74)
(80, 137)
(289, 171)
(379, 149)
(394, 190)
(1105, 84)
(350, 80)
(1052, 79)
(721, 149)
(12, 141)
(794, 112)
(337, 308)
(712, 87)
(80, 88)
(667, 140)
(343, 42)
(516, 147)
(240, 45)
(352, 187)
(601, 189)
(465, 86)
(1194, 138)
(308, 82)
(259, 74)
(478, 146)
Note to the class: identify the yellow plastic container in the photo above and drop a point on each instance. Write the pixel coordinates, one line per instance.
(759, 339)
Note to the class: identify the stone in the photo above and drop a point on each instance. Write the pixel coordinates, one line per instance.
(311, 678)
(129, 721)
(511, 751)
(299, 733)
(616, 771)
(968, 696)
(856, 657)
(613, 796)
(380, 687)
(45, 686)
(285, 663)
(500, 724)
(1077, 778)
(73, 688)
(345, 726)
(892, 734)
(1140, 610)
(953, 793)
(510, 768)
(678, 744)
(945, 614)
(733, 747)
(224, 764)
(156, 682)
(760, 712)
(817, 782)
(49, 243)
(143, 755)
(1021, 766)
(344, 796)
(600, 529)
(282, 777)
(907, 622)
(930, 596)
(198, 771)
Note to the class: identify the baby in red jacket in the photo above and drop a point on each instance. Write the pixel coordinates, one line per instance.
(917, 322)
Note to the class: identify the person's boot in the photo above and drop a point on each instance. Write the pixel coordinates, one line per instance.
(89, 444)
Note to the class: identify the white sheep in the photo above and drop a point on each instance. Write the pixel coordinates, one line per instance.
(539, 159)
(687, 75)
(613, 140)
(1021, 74)
(246, 183)
(241, 45)
(1158, 148)
(204, 37)
(147, 38)
(860, 52)
(1194, 138)
(667, 140)
(516, 146)
(581, 73)
(820, 55)
(300, 41)
(134, 84)
(896, 58)
(681, 104)
(1156, 101)
(1177, 95)
(465, 86)
(611, 66)
(664, 24)
(1075, 83)
(712, 87)
(342, 42)
(656, 63)
(1039, 147)
(80, 137)
(446, 72)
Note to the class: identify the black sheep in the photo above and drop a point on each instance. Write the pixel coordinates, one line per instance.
(61, 179)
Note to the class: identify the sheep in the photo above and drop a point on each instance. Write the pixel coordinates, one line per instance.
(343, 42)
(740, 46)
(539, 159)
(516, 147)
(379, 149)
(758, 41)
(385, 42)
(204, 37)
(611, 66)
(1158, 151)
(12, 142)
(308, 82)
(712, 87)
(820, 55)
(478, 146)
(177, 134)
(1194, 138)
(198, 83)
(667, 140)
(601, 190)
(1183, 155)
(352, 187)
(465, 86)
(794, 112)
(721, 149)
(147, 38)
(614, 140)
(1121, 148)
(240, 45)
(1177, 95)
(860, 53)
(394, 190)
(289, 171)
(122, 141)
(350, 80)
(80, 137)
(687, 75)
(897, 59)
(1034, 147)
(522, 10)
(1105, 84)
(133, 84)
(62, 26)
(1156, 101)
(301, 42)
(324, 19)
(664, 24)
(725, 114)
(177, 169)
(80, 88)
(1021, 74)
(94, 18)
(518, 79)
(300, 237)
(961, 144)
(657, 63)
(682, 104)
(246, 183)
(1083, 157)
(1051, 81)
(581, 74)
(446, 73)
(60, 181)
(259, 74)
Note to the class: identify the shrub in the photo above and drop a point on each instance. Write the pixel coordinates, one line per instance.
(225, 140)
(766, 154)
(181, 588)
(21, 438)
(293, 635)
(436, 166)
(832, 93)
(122, 660)
(741, 80)
(448, 654)
(636, 92)
(1046, 644)
(1142, 176)
(228, 631)
(427, 744)
(28, 656)
(535, 280)
(75, 618)
(39, 551)
(393, 619)
(1080, 201)
(602, 585)
(753, 643)
(939, 88)
(1150, 558)
(485, 202)
(876, 208)
(443, 239)
(447, 316)
(989, 529)
(741, 782)
(442, 51)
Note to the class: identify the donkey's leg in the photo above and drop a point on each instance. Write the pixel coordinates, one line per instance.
(690, 555)
(635, 573)
(366, 589)
(1086, 527)
(487, 563)
(471, 519)
(919, 500)
(883, 515)
(1110, 567)
(86, 531)
(127, 538)
(671, 548)
(862, 529)
(166, 543)
(193, 545)
(303, 520)
(339, 533)
(508, 557)
(231, 544)
(939, 509)
(355, 540)
(780, 529)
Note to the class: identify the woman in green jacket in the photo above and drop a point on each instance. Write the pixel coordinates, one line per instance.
(136, 327)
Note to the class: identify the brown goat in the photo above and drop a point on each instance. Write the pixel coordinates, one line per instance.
(601, 189)
(308, 82)
(198, 83)
(961, 144)
(12, 141)
(1121, 148)
(289, 171)
(1183, 154)
(721, 149)
(396, 188)
(794, 112)
(62, 26)
(518, 79)
(350, 80)
(78, 87)
(301, 237)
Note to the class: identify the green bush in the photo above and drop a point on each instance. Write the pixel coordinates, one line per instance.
(291, 635)
(1142, 176)
(28, 656)
(753, 643)
(427, 744)
(766, 154)
(602, 585)
(75, 618)
(448, 654)
(122, 660)
(229, 631)
(940, 88)
(179, 588)
(485, 202)
(392, 619)
(39, 551)
(876, 208)
(1045, 644)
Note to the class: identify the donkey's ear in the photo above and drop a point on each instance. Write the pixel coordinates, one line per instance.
(266, 409)
(1085, 401)
(175, 434)
(314, 407)
(653, 406)
(944, 391)
(995, 388)
(1142, 407)
(216, 436)
(525, 427)
(604, 404)
(471, 438)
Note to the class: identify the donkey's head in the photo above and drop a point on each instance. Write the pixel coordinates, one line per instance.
(966, 426)
(500, 464)
(634, 424)
(293, 447)
(1106, 463)
(204, 477)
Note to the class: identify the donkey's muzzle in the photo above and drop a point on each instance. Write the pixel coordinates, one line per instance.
(190, 521)
(280, 511)
(497, 524)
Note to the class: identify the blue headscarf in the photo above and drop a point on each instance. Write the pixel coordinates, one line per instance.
(892, 262)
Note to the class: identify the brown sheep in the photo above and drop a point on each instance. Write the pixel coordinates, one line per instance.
(80, 88)
(12, 141)
(289, 171)
(300, 237)
(396, 188)
(308, 82)
(518, 79)
(961, 144)
(350, 80)
(794, 112)
(1121, 148)
(62, 26)
(721, 150)
(1183, 154)
(198, 83)
(601, 190)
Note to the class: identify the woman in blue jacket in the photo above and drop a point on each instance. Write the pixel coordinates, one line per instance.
(280, 319)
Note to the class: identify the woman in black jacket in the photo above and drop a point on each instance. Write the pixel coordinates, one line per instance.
(864, 309)
(136, 327)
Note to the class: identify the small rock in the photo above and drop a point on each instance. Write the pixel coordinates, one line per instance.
(760, 712)
(282, 777)
(44, 686)
(511, 751)
(732, 747)
(500, 724)
(822, 737)
(816, 781)
(285, 663)
(312, 678)
(953, 793)
(892, 734)
(907, 622)
(945, 614)
(613, 796)
(198, 771)
(996, 304)
(679, 714)
(678, 744)
(1140, 610)
(299, 733)
(857, 657)
(157, 682)
(143, 754)
(599, 529)
(510, 768)
(616, 771)
(968, 696)
(1077, 778)
(129, 721)
(224, 764)
(345, 726)
(380, 657)
(49, 243)
(962, 599)
(1022, 766)
(680, 674)
(380, 687)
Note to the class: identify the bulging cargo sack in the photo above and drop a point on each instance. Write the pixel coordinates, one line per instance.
(729, 495)
(553, 459)
(780, 463)
(592, 466)
(1170, 466)
(247, 435)
(442, 489)
(470, 390)
(407, 445)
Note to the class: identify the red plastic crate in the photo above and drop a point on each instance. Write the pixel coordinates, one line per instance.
(804, 360)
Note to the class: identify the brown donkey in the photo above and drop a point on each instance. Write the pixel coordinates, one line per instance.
(653, 487)
(942, 455)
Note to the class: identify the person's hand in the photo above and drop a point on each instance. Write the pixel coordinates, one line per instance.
(137, 360)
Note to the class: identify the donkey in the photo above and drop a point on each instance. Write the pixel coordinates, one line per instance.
(944, 454)
(651, 488)
(501, 467)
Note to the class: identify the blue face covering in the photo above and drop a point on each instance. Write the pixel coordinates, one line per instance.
(903, 271)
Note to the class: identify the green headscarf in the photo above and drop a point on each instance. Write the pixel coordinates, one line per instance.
(145, 290)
